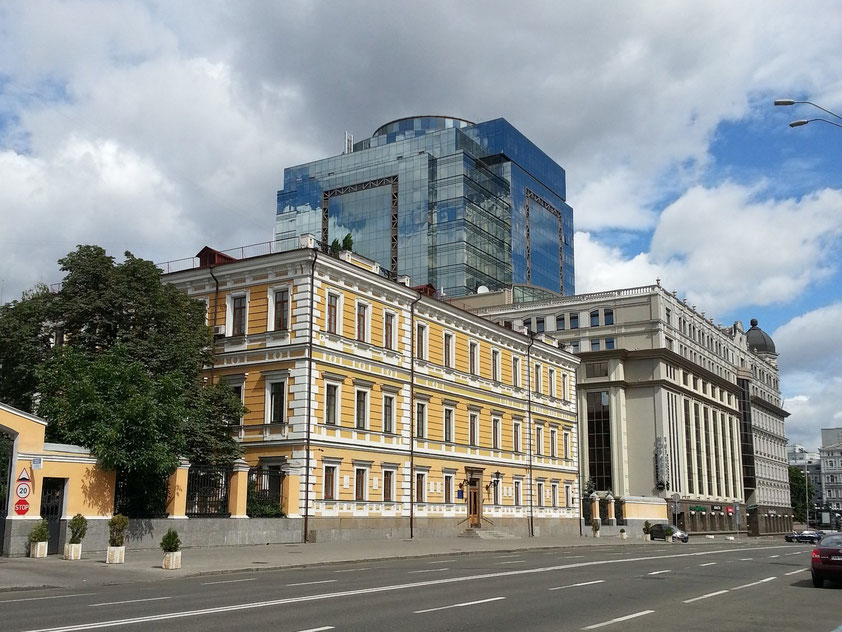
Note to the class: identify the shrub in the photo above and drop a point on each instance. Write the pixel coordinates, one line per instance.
(622, 530)
(117, 530)
(595, 524)
(646, 527)
(39, 533)
(670, 530)
(78, 528)
(170, 543)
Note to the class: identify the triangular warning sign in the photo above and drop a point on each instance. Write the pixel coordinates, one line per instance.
(24, 475)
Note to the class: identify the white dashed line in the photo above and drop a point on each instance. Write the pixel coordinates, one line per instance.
(117, 603)
(800, 570)
(659, 572)
(598, 581)
(618, 619)
(459, 605)
(42, 598)
(762, 581)
(430, 570)
(442, 561)
(500, 557)
(511, 562)
(708, 564)
(772, 556)
(353, 570)
(230, 581)
(713, 594)
(324, 581)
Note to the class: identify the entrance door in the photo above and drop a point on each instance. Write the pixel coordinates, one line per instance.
(52, 501)
(474, 502)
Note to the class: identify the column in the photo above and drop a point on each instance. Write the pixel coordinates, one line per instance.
(611, 519)
(238, 489)
(177, 491)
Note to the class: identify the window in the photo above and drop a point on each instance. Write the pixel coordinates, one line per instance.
(564, 386)
(516, 436)
(559, 322)
(388, 330)
(388, 486)
(609, 343)
(388, 414)
(551, 381)
(362, 322)
(495, 433)
(360, 486)
(539, 324)
(420, 419)
(515, 371)
(448, 350)
(495, 486)
(669, 316)
(596, 369)
(420, 487)
(281, 310)
(331, 403)
(574, 321)
(473, 429)
(539, 378)
(568, 495)
(566, 447)
(333, 313)
(539, 439)
(473, 358)
(448, 488)
(517, 493)
(594, 344)
(448, 425)
(608, 316)
(540, 494)
(495, 365)
(277, 402)
(361, 410)
(574, 346)
(330, 479)
(553, 442)
(599, 439)
(595, 318)
(238, 310)
(554, 494)
(421, 341)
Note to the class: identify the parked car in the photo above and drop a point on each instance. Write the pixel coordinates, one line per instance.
(658, 532)
(826, 561)
(792, 536)
(809, 535)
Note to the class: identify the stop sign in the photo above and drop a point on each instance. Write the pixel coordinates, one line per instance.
(21, 507)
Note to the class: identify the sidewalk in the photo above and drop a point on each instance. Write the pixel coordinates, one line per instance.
(141, 566)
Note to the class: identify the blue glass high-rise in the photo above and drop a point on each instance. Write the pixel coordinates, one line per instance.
(448, 202)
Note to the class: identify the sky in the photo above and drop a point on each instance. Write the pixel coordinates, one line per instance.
(161, 127)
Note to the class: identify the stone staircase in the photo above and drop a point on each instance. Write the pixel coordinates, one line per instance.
(486, 534)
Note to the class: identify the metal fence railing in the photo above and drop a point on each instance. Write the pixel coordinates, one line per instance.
(265, 493)
(207, 492)
(140, 497)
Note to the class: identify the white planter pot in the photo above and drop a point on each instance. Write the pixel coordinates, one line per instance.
(115, 555)
(37, 549)
(596, 534)
(73, 551)
(646, 537)
(668, 538)
(624, 536)
(172, 561)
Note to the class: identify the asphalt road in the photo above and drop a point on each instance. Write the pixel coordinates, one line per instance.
(654, 587)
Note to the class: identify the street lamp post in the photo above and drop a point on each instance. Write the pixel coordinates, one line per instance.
(801, 122)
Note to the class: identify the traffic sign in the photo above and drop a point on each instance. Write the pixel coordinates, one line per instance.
(23, 489)
(24, 475)
(21, 507)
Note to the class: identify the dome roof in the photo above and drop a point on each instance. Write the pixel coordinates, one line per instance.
(759, 340)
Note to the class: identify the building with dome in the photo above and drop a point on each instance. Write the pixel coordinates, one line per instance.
(450, 203)
(680, 417)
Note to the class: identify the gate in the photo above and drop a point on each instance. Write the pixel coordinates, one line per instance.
(52, 502)
(207, 492)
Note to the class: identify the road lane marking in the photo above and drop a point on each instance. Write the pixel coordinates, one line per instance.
(762, 581)
(745, 559)
(430, 570)
(598, 581)
(796, 553)
(375, 589)
(618, 619)
(230, 581)
(117, 603)
(51, 597)
(323, 581)
(708, 564)
(353, 570)
(659, 572)
(500, 557)
(442, 561)
(771, 556)
(800, 570)
(511, 562)
(327, 627)
(459, 605)
(707, 596)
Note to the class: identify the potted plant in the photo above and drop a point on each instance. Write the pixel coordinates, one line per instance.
(38, 538)
(668, 533)
(78, 526)
(171, 546)
(595, 527)
(646, 527)
(623, 534)
(116, 537)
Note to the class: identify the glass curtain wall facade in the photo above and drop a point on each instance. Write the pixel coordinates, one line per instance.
(448, 202)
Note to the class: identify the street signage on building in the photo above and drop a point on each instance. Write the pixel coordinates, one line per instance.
(717, 507)
(730, 510)
(23, 489)
(24, 475)
(21, 507)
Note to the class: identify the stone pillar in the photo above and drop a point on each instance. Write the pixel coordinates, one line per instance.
(594, 498)
(290, 491)
(238, 489)
(177, 491)
(612, 520)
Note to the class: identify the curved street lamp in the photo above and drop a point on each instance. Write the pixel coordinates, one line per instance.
(801, 122)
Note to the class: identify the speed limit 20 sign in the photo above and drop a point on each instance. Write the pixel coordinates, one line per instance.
(23, 489)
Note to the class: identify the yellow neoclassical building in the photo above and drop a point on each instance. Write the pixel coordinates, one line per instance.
(389, 413)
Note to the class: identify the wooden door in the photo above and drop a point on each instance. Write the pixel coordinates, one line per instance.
(474, 503)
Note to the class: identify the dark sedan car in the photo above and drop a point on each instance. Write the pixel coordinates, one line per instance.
(659, 532)
(809, 535)
(792, 536)
(827, 560)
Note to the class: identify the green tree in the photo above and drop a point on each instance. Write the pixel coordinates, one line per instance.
(347, 242)
(796, 492)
